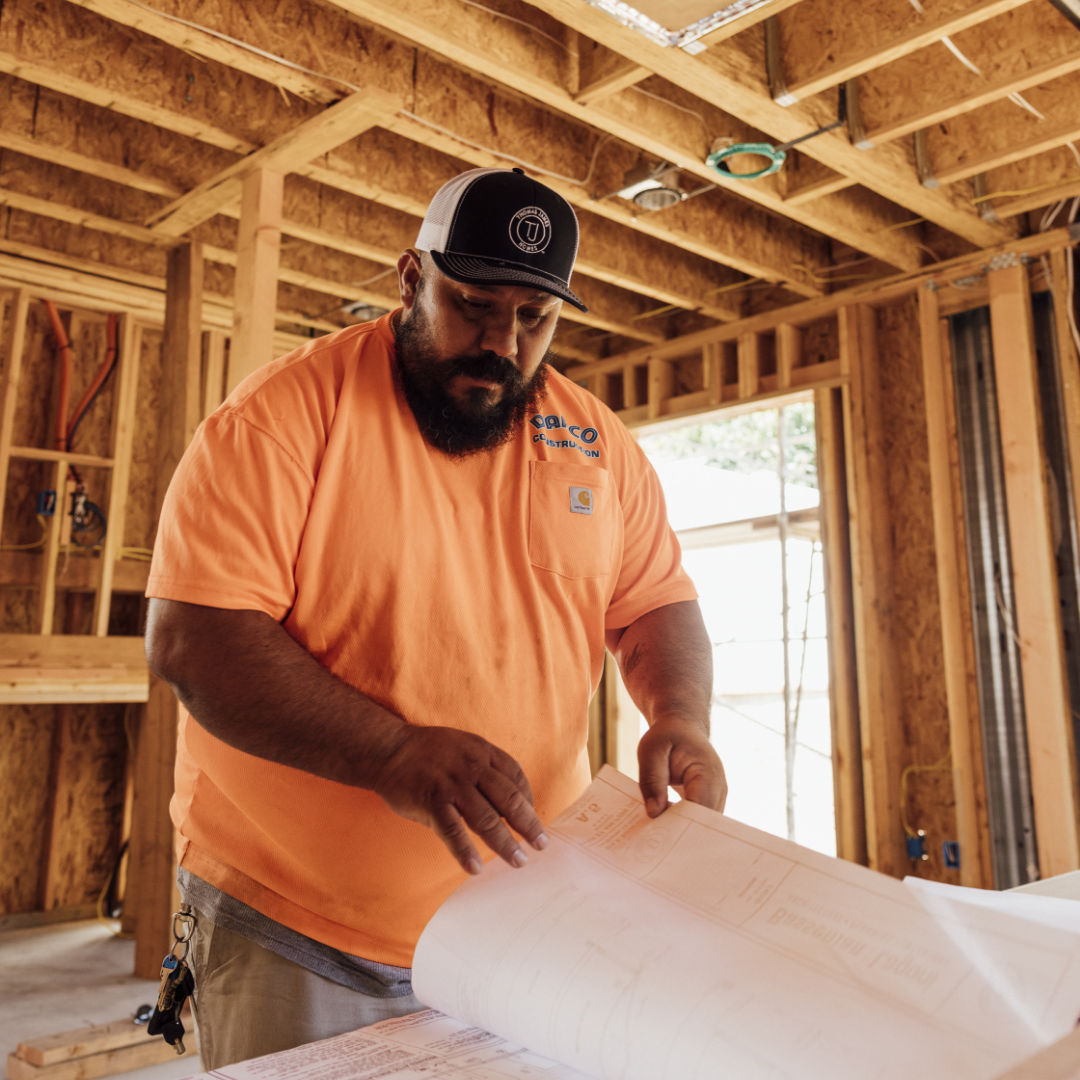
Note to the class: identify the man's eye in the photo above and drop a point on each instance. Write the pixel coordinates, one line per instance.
(533, 317)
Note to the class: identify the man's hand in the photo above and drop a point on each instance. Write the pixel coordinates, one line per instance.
(447, 779)
(251, 685)
(678, 754)
(666, 662)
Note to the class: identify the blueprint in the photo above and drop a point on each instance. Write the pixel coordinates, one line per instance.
(692, 947)
(423, 1046)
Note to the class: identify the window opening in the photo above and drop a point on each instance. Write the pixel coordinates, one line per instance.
(742, 496)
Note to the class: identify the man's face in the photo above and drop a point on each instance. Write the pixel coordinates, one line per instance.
(471, 359)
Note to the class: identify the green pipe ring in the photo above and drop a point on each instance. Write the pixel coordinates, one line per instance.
(776, 159)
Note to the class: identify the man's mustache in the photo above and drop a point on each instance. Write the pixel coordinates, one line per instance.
(488, 367)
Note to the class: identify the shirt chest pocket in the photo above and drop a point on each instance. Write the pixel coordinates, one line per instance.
(572, 512)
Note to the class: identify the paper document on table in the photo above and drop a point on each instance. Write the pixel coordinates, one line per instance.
(423, 1046)
(692, 947)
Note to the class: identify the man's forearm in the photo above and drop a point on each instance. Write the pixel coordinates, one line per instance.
(666, 662)
(251, 685)
(245, 680)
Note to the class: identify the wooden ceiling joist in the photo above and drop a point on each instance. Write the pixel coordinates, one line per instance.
(1026, 47)
(454, 95)
(732, 77)
(859, 38)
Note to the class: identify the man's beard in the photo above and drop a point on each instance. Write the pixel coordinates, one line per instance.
(469, 426)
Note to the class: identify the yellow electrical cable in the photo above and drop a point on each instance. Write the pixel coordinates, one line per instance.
(101, 905)
(732, 287)
(898, 225)
(137, 553)
(829, 280)
(939, 766)
(43, 522)
(1020, 192)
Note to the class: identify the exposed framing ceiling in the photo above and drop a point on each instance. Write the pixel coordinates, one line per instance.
(120, 120)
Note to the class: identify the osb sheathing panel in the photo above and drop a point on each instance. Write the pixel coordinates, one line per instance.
(915, 623)
(44, 180)
(1002, 129)
(817, 35)
(26, 735)
(89, 811)
(820, 342)
(83, 243)
(1005, 47)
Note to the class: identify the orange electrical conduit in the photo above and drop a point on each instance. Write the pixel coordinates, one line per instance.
(64, 429)
(65, 375)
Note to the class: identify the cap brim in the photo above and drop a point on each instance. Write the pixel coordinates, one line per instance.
(486, 272)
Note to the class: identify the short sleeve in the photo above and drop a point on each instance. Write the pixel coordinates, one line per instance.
(651, 574)
(232, 521)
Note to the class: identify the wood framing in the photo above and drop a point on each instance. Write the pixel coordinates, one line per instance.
(65, 668)
(1038, 614)
(256, 276)
(975, 868)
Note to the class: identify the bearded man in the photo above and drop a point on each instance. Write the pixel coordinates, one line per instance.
(385, 575)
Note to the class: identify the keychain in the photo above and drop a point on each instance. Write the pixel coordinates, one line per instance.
(177, 982)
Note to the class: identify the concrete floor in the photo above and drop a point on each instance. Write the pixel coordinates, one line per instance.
(59, 978)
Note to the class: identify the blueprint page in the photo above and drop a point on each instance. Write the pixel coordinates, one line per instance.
(692, 947)
(423, 1046)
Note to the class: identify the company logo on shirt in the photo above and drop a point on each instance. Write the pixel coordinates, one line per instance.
(581, 439)
(581, 500)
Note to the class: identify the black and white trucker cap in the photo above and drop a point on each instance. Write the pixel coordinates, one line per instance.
(501, 227)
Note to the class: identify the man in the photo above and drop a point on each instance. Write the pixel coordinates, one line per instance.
(385, 574)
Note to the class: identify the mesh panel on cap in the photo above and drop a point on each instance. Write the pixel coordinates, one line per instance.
(435, 229)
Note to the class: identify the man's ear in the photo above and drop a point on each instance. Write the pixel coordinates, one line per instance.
(409, 269)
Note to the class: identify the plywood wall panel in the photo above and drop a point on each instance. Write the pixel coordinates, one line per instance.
(26, 735)
(89, 813)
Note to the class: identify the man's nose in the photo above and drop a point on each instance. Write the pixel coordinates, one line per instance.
(500, 335)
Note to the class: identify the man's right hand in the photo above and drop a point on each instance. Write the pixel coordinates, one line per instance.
(449, 779)
(251, 685)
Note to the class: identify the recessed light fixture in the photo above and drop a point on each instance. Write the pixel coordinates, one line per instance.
(644, 187)
(678, 23)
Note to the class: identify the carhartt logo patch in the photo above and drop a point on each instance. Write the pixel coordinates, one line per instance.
(581, 500)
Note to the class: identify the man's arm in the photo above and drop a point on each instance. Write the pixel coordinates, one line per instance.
(245, 680)
(666, 662)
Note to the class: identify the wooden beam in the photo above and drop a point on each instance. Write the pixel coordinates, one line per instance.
(181, 362)
(857, 44)
(731, 79)
(871, 589)
(22, 568)
(11, 360)
(952, 570)
(259, 246)
(129, 338)
(626, 75)
(46, 606)
(150, 855)
(848, 796)
(1029, 45)
(1001, 133)
(1047, 709)
(71, 668)
(213, 376)
(287, 153)
(755, 250)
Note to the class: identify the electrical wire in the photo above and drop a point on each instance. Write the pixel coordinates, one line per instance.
(674, 105)
(137, 553)
(100, 906)
(829, 280)
(44, 523)
(511, 157)
(938, 766)
(521, 22)
(64, 346)
(899, 225)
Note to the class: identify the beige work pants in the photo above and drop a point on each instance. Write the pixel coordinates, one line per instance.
(253, 1002)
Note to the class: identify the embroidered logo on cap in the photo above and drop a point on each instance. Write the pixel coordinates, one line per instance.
(530, 230)
(581, 500)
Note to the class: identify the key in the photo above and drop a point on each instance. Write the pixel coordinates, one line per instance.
(177, 984)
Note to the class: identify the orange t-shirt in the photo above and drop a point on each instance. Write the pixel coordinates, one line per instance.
(469, 593)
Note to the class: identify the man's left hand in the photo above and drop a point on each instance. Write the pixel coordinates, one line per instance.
(678, 754)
